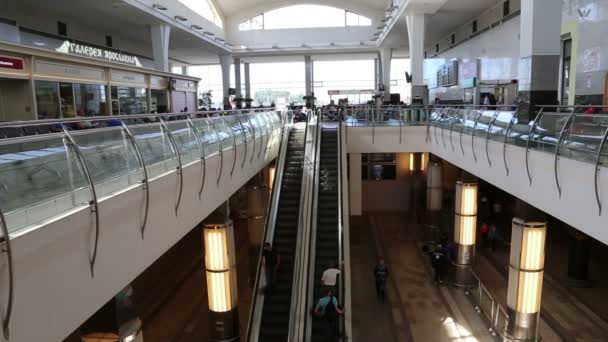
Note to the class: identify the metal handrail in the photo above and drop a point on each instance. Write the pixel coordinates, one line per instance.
(530, 137)
(179, 163)
(233, 145)
(6, 318)
(597, 171)
(244, 140)
(47, 122)
(145, 181)
(69, 141)
(252, 129)
(496, 310)
(488, 132)
(507, 132)
(220, 150)
(271, 212)
(201, 146)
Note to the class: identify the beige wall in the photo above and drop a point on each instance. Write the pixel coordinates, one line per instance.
(389, 195)
(16, 100)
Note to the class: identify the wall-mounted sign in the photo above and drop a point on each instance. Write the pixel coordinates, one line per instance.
(68, 72)
(11, 63)
(185, 85)
(82, 50)
(351, 92)
(128, 78)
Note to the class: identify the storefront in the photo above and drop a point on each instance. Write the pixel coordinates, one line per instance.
(35, 83)
(183, 95)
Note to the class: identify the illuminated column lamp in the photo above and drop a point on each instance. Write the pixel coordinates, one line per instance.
(412, 164)
(220, 263)
(527, 262)
(271, 174)
(465, 232)
(423, 161)
(434, 187)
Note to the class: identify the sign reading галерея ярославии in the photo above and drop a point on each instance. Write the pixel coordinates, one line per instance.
(94, 52)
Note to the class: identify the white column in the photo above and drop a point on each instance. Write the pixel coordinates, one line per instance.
(247, 82)
(160, 45)
(225, 65)
(415, 33)
(237, 76)
(376, 74)
(355, 184)
(308, 75)
(539, 52)
(386, 55)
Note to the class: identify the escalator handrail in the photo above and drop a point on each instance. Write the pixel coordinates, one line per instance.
(299, 304)
(310, 282)
(268, 235)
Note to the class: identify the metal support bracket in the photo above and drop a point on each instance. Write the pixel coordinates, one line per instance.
(233, 145)
(145, 183)
(6, 318)
(494, 117)
(175, 149)
(504, 146)
(201, 146)
(451, 129)
(252, 129)
(562, 135)
(261, 123)
(71, 143)
(443, 129)
(238, 119)
(219, 149)
(530, 137)
(597, 171)
(473, 135)
(464, 120)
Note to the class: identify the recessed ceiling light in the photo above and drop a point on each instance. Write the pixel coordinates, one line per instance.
(39, 44)
(207, 33)
(362, 43)
(392, 8)
(180, 18)
(381, 27)
(374, 39)
(275, 46)
(219, 39)
(304, 45)
(228, 44)
(377, 34)
(387, 19)
(243, 47)
(195, 27)
(332, 44)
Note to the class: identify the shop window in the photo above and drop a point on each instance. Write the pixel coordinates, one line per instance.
(506, 8)
(66, 96)
(62, 29)
(126, 100)
(159, 102)
(90, 99)
(109, 41)
(379, 166)
(47, 100)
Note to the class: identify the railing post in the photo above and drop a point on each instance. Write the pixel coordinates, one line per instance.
(179, 161)
(201, 146)
(597, 171)
(566, 128)
(530, 137)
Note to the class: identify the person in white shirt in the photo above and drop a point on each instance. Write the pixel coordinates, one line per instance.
(328, 280)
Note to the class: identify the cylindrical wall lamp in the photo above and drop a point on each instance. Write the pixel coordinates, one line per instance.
(423, 160)
(271, 174)
(465, 231)
(412, 162)
(220, 263)
(526, 269)
(434, 187)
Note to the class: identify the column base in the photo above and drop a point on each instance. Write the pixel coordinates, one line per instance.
(522, 327)
(225, 326)
(463, 275)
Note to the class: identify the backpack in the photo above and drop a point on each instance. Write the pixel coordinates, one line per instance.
(330, 310)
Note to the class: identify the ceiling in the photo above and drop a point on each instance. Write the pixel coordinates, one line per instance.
(453, 14)
(232, 7)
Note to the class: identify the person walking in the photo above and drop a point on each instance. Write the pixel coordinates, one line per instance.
(493, 236)
(329, 277)
(327, 308)
(438, 261)
(272, 260)
(381, 275)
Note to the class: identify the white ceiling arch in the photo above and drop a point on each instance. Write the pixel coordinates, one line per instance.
(237, 11)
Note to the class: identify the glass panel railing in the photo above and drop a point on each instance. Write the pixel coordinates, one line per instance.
(208, 135)
(39, 178)
(156, 149)
(547, 131)
(111, 159)
(185, 139)
(500, 125)
(233, 123)
(247, 127)
(584, 137)
(224, 132)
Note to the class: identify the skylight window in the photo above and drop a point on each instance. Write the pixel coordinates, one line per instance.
(304, 16)
(205, 9)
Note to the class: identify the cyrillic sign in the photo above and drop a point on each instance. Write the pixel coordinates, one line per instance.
(94, 52)
(11, 63)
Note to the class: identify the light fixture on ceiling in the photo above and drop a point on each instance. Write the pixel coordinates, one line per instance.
(275, 46)
(332, 44)
(377, 34)
(361, 43)
(228, 44)
(244, 47)
(304, 46)
(381, 27)
(219, 39)
(180, 18)
(195, 27)
(207, 33)
(374, 39)
(392, 8)
(159, 7)
(387, 19)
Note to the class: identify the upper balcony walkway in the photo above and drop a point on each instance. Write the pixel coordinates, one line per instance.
(88, 210)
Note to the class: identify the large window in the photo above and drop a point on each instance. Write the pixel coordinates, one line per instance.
(399, 85)
(343, 75)
(278, 83)
(304, 16)
(126, 100)
(210, 86)
(204, 8)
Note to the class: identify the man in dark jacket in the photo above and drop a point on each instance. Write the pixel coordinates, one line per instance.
(381, 275)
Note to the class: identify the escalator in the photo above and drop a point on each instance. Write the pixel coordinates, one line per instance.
(327, 237)
(275, 315)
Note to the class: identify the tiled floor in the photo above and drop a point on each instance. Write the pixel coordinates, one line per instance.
(416, 309)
